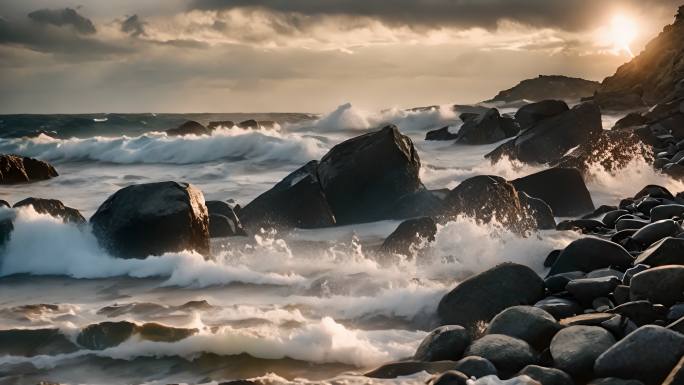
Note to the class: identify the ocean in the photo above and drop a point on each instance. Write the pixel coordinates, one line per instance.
(296, 307)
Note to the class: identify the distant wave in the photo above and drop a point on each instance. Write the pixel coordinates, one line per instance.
(255, 145)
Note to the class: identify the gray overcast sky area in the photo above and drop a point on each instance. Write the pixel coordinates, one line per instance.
(303, 55)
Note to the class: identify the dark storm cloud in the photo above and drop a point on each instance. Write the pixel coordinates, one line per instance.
(133, 26)
(48, 39)
(64, 17)
(569, 15)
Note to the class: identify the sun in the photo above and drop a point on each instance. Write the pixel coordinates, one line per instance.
(623, 31)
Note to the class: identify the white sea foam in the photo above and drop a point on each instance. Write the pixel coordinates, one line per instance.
(234, 144)
(349, 118)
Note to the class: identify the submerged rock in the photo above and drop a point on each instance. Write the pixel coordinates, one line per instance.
(34, 342)
(152, 219)
(190, 127)
(18, 169)
(54, 208)
(482, 296)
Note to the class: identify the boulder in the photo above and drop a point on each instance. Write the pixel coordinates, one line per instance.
(508, 354)
(360, 189)
(223, 222)
(550, 139)
(190, 127)
(648, 354)
(633, 119)
(575, 348)
(611, 217)
(54, 208)
(422, 203)
(621, 100)
(656, 231)
(557, 283)
(484, 295)
(667, 211)
(641, 312)
(152, 219)
(530, 324)
(587, 254)
(667, 251)
(296, 201)
(546, 376)
(663, 285)
(18, 169)
(444, 343)
(474, 366)
(105, 334)
(558, 307)
(487, 128)
(563, 189)
(440, 134)
(409, 233)
(488, 198)
(529, 115)
(587, 289)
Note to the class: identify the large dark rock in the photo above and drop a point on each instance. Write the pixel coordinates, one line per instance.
(508, 354)
(648, 354)
(410, 232)
(190, 127)
(487, 128)
(663, 285)
(482, 296)
(575, 348)
(444, 343)
(474, 366)
(18, 169)
(586, 290)
(223, 222)
(529, 115)
(667, 251)
(440, 134)
(109, 334)
(588, 254)
(296, 201)
(548, 87)
(563, 189)
(656, 231)
(422, 203)
(539, 210)
(152, 219)
(360, 188)
(550, 139)
(54, 208)
(621, 100)
(487, 198)
(221, 123)
(530, 324)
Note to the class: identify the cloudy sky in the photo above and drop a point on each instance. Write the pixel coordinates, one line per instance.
(301, 55)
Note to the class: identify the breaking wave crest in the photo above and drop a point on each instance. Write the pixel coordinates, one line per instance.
(232, 144)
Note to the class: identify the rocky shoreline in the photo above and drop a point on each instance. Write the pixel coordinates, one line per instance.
(610, 310)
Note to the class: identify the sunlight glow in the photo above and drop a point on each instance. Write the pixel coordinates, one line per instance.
(623, 31)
